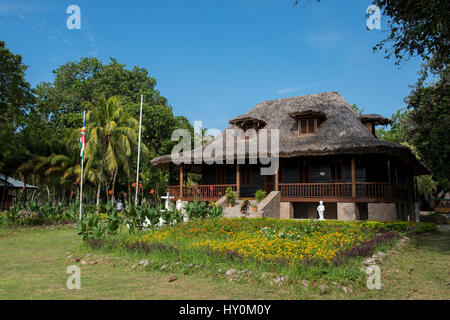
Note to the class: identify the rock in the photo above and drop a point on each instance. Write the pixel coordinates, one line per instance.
(278, 280)
(190, 265)
(93, 263)
(345, 289)
(305, 283)
(163, 267)
(381, 254)
(369, 261)
(133, 266)
(230, 272)
(68, 257)
(143, 262)
(177, 263)
(83, 262)
(76, 260)
(335, 283)
(323, 287)
(172, 278)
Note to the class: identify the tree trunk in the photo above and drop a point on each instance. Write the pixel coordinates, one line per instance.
(113, 186)
(63, 198)
(100, 177)
(48, 194)
(129, 192)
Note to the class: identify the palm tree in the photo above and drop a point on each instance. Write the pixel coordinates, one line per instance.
(111, 135)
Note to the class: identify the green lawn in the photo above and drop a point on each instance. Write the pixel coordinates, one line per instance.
(33, 265)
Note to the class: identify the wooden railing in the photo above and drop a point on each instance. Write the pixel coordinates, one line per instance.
(442, 205)
(204, 192)
(315, 190)
(373, 190)
(378, 191)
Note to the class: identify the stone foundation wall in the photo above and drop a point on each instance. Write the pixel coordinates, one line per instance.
(270, 206)
(382, 211)
(286, 210)
(346, 211)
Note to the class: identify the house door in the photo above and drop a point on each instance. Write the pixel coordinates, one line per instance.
(221, 174)
(269, 184)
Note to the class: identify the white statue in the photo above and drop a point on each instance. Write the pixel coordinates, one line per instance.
(321, 209)
(179, 204)
(167, 198)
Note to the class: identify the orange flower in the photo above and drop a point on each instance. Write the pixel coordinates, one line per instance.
(133, 184)
(152, 191)
(110, 192)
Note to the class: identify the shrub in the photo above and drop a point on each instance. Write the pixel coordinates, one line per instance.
(28, 218)
(231, 196)
(260, 195)
(245, 206)
(400, 226)
(197, 210)
(215, 211)
(171, 217)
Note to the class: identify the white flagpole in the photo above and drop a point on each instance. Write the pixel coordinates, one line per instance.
(139, 152)
(82, 169)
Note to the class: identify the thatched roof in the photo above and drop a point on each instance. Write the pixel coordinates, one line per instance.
(375, 119)
(241, 119)
(342, 132)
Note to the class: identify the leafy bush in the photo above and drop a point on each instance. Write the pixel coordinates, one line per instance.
(260, 195)
(91, 227)
(197, 210)
(173, 216)
(231, 196)
(215, 211)
(245, 206)
(28, 218)
(400, 226)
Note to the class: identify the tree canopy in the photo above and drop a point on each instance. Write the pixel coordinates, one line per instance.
(41, 131)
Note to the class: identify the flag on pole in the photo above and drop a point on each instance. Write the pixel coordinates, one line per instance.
(83, 138)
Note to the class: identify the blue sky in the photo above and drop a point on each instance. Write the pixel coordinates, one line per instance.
(214, 60)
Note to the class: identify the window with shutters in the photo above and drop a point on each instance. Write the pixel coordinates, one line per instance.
(306, 125)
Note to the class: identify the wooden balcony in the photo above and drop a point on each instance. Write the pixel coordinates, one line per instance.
(203, 193)
(303, 192)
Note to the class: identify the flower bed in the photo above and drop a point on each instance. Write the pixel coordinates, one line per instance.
(290, 241)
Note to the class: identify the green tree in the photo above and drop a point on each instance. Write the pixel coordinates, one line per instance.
(428, 128)
(111, 135)
(88, 80)
(16, 100)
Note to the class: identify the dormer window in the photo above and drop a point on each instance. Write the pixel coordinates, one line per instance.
(308, 122)
(372, 120)
(249, 126)
(307, 125)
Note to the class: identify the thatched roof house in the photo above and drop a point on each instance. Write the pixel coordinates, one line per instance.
(327, 152)
(341, 131)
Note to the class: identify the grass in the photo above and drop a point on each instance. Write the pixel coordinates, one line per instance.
(33, 264)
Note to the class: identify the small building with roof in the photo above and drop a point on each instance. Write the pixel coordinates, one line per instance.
(327, 152)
